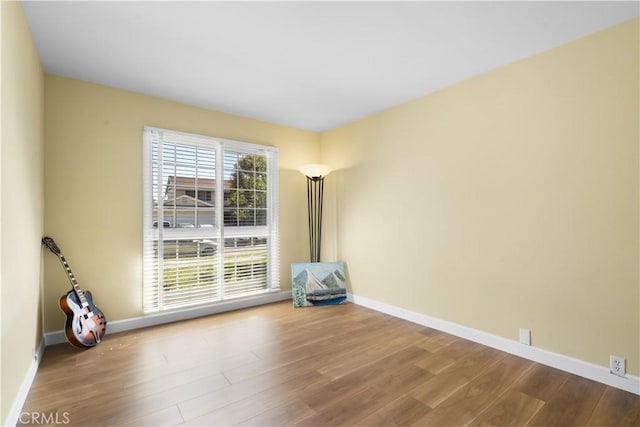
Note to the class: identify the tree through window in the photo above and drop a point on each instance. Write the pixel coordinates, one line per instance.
(245, 194)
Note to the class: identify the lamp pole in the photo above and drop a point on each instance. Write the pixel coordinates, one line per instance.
(315, 190)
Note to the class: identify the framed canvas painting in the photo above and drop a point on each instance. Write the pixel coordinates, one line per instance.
(318, 283)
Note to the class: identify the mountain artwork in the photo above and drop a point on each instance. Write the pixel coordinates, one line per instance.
(318, 283)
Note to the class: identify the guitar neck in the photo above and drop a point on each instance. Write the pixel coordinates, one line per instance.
(72, 279)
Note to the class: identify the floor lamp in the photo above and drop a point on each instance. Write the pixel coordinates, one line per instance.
(315, 174)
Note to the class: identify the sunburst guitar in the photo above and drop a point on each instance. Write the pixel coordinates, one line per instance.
(85, 325)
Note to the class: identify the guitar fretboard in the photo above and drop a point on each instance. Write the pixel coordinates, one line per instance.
(73, 280)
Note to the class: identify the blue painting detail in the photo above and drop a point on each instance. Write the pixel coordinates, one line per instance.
(318, 283)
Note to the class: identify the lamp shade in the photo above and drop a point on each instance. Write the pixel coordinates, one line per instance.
(315, 170)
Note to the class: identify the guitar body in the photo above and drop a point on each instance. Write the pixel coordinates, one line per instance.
(85, 325)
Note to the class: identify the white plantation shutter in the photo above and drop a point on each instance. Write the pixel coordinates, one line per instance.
(210, 219)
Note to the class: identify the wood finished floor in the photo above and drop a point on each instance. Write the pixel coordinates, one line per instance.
(323, 366)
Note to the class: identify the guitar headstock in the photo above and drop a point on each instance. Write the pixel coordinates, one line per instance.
(48, 241)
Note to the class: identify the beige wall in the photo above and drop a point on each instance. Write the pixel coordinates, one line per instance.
(22, 205)
(507, 201)
(93, 186)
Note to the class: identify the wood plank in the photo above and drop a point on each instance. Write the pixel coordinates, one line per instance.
(286, 414)
(402, 411)
(352, 408)
(214, 400)
(512, 409)
(616, 408)
(164, 417)
(446, 355)
(468, 402)
(371, 350)
(381, 371)
(572, 404)
(541, 382)
(456, 376)
(251, 405)
(436, 340)
(126, 406)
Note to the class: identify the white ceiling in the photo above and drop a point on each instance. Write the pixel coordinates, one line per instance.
(311, 65)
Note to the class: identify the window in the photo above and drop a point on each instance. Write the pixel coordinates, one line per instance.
(217, 202)
(200, 195)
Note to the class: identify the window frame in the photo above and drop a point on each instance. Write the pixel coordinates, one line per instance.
(153, 265)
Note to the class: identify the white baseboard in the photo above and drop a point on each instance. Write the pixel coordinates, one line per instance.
(25, 386)
(57, 337)
(601, 374)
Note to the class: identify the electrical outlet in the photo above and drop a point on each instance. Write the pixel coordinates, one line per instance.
(525, 336)
(617, 365)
